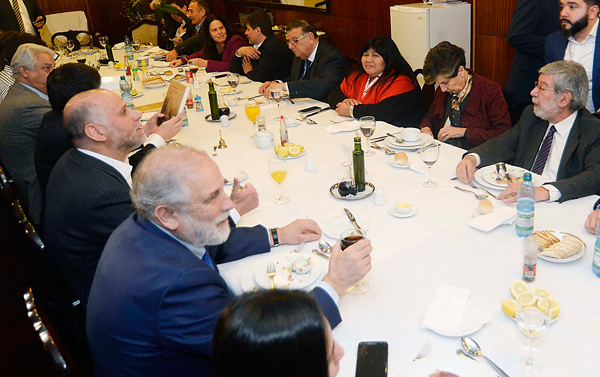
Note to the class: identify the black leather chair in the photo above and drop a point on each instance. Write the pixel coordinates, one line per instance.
(79, 37)
(427, 91)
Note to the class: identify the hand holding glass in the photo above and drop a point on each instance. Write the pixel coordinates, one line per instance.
(348, 238)
(278, 169)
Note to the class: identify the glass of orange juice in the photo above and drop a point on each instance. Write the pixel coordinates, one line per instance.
(252, 111)
(278, 169)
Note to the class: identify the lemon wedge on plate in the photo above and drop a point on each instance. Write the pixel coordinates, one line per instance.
(509, 307)
(528, 301)
(518, 286)
(542, 292)
(295, 151)
(554, 306)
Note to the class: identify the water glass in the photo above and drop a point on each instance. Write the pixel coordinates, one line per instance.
(430, 152)
(533, 316)
(367, 127)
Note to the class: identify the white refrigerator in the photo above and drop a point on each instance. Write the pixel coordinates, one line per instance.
(417, 28)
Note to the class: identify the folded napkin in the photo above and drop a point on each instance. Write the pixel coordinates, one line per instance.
(152, 50)
(452, 313)
(502, 214)
(119, 46)
(343, 127)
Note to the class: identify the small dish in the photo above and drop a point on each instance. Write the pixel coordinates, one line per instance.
(397, 165)
(292, 122)
(208, 117)
(403, 208)
(369, 190)
(302, 265)
(395, 213)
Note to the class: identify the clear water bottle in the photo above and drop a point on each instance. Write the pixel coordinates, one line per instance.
(596, 259)
(525, 207)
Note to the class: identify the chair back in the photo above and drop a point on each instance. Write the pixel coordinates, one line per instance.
(79, 38)
(427, 90)
(352, 63)
(146, 31)
(64, 21)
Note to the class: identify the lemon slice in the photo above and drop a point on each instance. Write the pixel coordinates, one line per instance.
(518, 286)
(281, 151)
(295, 151)
(301, 147)
(134, 92)
(509, 307)
(542, 292)
(527, 301)
(289, 144)
(554, 306)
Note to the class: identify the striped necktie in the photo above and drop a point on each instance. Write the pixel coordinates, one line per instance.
(305, 74)
(542, 156)
(17, 10)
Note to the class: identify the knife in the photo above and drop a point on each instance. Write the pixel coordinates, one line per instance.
(321, 254)
(352, 219)
(315, 112)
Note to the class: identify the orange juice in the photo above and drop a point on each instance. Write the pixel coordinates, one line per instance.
(279, 176)
(252, 112)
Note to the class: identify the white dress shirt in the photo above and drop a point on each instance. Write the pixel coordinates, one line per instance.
(311, 59)
(122, 167)
(583, 53)
(39, 93)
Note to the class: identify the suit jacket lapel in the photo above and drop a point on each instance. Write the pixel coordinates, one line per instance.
(537, 137)
(572, 143)
(317, 60)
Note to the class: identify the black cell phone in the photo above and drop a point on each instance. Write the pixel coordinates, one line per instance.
(309, 109)
(372, 359)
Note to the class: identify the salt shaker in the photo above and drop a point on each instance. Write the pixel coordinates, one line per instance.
(530, 254)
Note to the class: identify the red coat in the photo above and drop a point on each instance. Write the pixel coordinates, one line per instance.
(485, 115)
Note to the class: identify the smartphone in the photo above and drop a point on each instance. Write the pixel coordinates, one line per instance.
(372, 359)
(309, 109)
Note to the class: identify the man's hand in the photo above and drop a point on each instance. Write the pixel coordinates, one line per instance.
(172, 55)
(451, 133)
(299, 231)
(170, 128)
(348, 266)
(176, 41)
(427, 130)
(175, 63)
(591, 223)
(245, 198)
(466, 168)
(151, 125)
(510, 194)
(247, 65)
(39, 22)
(268, 86)
(248, 51)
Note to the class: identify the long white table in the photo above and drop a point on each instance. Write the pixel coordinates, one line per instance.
(411, 256)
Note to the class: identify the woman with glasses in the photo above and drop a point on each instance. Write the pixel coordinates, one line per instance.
(218, 49)
(274, 333)
(468, 109)
(384, 86)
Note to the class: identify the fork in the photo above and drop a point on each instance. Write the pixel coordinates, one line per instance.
(482, 189)
(271, 273)
(385, 150)
(424, 351)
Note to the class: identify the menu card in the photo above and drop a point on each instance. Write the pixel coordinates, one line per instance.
(174, 100)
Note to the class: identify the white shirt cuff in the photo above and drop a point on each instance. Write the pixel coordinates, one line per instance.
(155, 140)
(554, 193)
(330, 291)
(235, 215)
(476, 158)
(286, 88)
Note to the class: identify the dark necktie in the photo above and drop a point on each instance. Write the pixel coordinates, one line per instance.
(542, 156)
(305, 74)
(17, 10)
(206, 259)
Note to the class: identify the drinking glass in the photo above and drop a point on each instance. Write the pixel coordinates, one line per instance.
(533, 316)
(278, 169)
(252, 111)
(70, 46)
(193, 68)
(277, 94)
(430, 153)
(103, 41)
(348, 238)
(233, 79)
(367, 127)
(59, 50)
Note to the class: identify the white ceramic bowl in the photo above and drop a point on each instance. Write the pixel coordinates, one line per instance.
(264, 139)
(302, 265)
(404, 210)
(411, 134)
(291, 122)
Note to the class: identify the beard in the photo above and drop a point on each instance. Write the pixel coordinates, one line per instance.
(576, 26)
(208, 233)
(127, 141)
(546, 112)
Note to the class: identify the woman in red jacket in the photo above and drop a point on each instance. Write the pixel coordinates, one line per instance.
(218, 49)
(384, 86)
(468, 109)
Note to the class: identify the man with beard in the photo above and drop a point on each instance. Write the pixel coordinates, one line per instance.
(556, 138)
(157, 293)
(577, 41)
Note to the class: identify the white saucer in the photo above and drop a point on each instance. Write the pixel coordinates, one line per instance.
(292, 125)
(397, 165)
(392, 211)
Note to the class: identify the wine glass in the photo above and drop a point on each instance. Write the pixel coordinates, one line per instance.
(252, 111)
(277, 94)
(367, 127)
(59, 50)
(533, 316)
(233, 79)
(70, 46)
(103, 41)
(193, 68)
(430, 153)
(348, 238)
(278, 169)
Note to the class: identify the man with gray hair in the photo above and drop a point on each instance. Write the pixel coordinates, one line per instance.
(556, 138)
(21, 114)
(157, 293)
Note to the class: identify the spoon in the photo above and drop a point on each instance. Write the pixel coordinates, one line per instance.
(395, 138)
(463, 353)
(478, 196)
(325, 247)
(473, 349)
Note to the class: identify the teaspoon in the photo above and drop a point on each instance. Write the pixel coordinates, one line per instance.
(478, 196)
(473, 349)
(325, 247)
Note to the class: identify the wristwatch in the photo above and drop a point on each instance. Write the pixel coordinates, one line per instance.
(275, 236)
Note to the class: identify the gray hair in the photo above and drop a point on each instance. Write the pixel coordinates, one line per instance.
(569, 77)
(26, 56)
(78, 113)
(161, 179)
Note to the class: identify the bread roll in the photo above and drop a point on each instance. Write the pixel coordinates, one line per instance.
(401, 158)
(485, 207)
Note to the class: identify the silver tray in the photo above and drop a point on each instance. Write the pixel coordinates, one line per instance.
(369, 190)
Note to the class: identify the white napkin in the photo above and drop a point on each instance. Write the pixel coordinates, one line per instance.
(343, 127)
(119, 46)
(110, 83)
(159, 64)
(152, 50)
(502, 215)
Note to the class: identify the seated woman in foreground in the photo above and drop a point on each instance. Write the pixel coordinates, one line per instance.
(384, 86)
(467, 109)
(272, 334)
(218, 49)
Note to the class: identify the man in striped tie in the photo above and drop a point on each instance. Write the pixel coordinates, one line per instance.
(24, 16)
(556, 138)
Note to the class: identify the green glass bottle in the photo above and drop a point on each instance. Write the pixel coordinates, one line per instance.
(358, 161)
(109, 52)
(212, 99)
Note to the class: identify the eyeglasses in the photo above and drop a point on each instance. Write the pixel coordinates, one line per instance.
(537, 85)
(295, 41)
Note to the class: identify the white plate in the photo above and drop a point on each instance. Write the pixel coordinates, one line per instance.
(335, 227)
(478, 177)
(425, 138)
(396, 146)
(551, 321)
(489, 174)
(285, 278)
(459, 365)
(470, 331)
(293, 125)
(249, 284)
(230, 175)
(289, 157)
(572, 258)
(226, 91)
(392, 211)
(392, 162)
(153, 86)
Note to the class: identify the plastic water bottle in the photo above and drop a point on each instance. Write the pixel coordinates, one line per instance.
(596, 259)
(525, 207)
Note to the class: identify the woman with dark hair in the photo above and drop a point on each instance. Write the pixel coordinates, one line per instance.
(274, 333)
(384, 86)
(218, 49)
(468, 109)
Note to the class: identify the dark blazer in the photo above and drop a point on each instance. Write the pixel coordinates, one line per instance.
(531, 22)
(579, 171)
(8, 19)
(192, 43)
(275, 61)
(86, 200)
(154, 304)
(327, 71)
(556, 45)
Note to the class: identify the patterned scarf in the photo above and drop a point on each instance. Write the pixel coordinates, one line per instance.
(458, 98)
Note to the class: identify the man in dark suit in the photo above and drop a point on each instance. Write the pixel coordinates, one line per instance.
(531, 22)
(29, 20)
(556, 138)
(578, 41)
(317, 67)
(268, 58)
(197, 12)
(157, 293)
